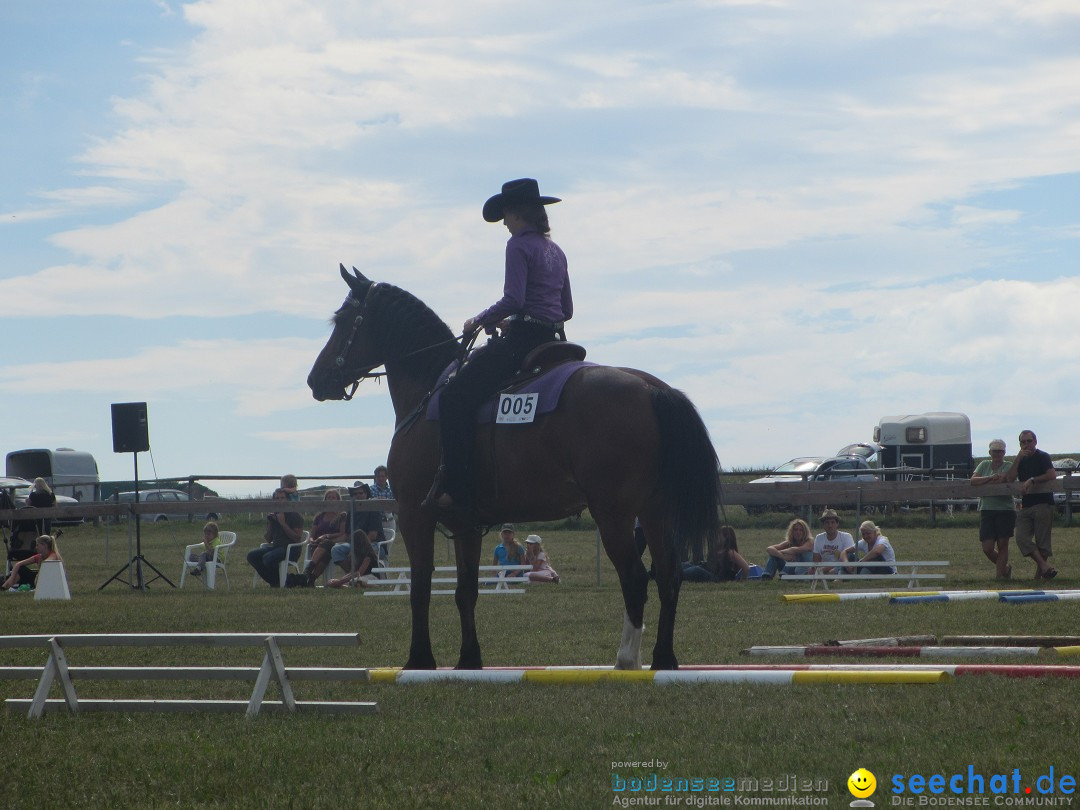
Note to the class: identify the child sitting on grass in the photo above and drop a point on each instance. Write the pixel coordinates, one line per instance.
(535, 556)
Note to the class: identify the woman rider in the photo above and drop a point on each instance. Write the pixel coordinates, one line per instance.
(536, 301)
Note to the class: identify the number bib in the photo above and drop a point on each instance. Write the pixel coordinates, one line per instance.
(516, 409)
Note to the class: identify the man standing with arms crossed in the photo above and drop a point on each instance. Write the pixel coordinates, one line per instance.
(1036, 516)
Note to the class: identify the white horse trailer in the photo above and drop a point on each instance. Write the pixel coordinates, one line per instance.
(939, 442)
(67, 472)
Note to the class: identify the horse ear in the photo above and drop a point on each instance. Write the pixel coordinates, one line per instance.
(356, 281)
(356, 275)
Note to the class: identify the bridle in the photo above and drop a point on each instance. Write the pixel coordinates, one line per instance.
(360, 310)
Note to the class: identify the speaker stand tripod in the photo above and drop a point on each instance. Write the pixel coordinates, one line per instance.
(134, 568)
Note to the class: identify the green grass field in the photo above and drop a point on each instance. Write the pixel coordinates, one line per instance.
(526, 745)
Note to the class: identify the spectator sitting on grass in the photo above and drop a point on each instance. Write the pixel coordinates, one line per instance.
(509, 551)
(832, 545)
(360, 550)
(797, 546)
(367, 532)
(724, 563)
(875, 547)
(535, 556)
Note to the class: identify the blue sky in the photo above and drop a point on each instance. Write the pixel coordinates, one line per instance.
(806, 215)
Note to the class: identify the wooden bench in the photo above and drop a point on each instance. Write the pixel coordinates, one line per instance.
(905, 569)
(398, 581)
(273, 669)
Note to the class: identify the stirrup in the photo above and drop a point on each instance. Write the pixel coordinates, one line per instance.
(437, 497)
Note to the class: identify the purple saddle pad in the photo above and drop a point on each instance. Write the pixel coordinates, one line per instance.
(548, 386)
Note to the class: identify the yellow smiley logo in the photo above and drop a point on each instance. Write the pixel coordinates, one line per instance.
(861, 783)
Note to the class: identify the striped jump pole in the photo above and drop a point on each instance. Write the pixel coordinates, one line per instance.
(888, 641)
(727, 673)
(854, 596)
(930, 651)
(917, 597)
(787, 676)
(1011, 641)
(951, 596)
(957, 670)
(1045, 596)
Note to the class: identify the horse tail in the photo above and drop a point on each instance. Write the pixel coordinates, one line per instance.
(688, 468)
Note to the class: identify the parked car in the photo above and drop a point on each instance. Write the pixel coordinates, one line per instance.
(866, 450)
(162, 496)
(1064, 466)
(839, 469)
(19, 490)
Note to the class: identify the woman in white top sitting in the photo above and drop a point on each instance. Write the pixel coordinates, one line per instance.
(875, 547)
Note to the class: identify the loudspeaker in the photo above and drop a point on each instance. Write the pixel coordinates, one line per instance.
(130, 432)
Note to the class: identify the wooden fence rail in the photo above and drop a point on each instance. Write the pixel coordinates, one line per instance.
(804, 493)
(221, 506)
(792, 493)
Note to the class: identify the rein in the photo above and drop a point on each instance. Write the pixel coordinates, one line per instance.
(358, 321)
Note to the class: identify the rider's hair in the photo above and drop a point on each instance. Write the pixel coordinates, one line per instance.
(532, 212)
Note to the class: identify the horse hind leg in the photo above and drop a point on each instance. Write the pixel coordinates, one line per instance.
(668, 579)
(618, 539)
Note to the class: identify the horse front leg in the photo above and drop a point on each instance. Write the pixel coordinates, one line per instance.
(467, 545)
(668, 581)
(421, 565)
(618, 539)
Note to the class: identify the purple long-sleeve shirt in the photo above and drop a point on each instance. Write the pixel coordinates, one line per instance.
(537, 283)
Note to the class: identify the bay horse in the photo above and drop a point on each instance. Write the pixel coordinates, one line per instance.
(621, 443)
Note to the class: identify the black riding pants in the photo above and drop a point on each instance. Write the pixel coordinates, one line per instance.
(486, 371)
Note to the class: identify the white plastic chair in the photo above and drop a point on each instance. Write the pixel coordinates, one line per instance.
(382, 548)
(298, 565)
(218, 561)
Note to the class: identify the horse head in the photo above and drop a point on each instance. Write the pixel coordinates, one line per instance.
(350, 354)
(378, 324)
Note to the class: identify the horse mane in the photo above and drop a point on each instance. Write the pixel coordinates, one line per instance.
(403, 326)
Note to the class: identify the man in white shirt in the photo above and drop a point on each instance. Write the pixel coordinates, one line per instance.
(832, 545)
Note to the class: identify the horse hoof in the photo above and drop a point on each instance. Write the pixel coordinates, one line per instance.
(427, 662)
(670, 663)
(469, 662)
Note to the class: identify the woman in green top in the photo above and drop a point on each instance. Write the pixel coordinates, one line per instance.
(997, 515)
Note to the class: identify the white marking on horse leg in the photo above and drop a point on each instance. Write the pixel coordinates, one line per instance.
(629, 656)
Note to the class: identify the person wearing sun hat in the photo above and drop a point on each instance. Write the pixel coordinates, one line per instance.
(833, 545)
(533, 309)
(535, 556)
(997, 516)
(509, 550)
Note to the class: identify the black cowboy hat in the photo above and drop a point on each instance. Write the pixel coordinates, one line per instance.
(525, 190)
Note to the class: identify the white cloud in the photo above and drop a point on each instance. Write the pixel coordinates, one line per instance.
(261, 377)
